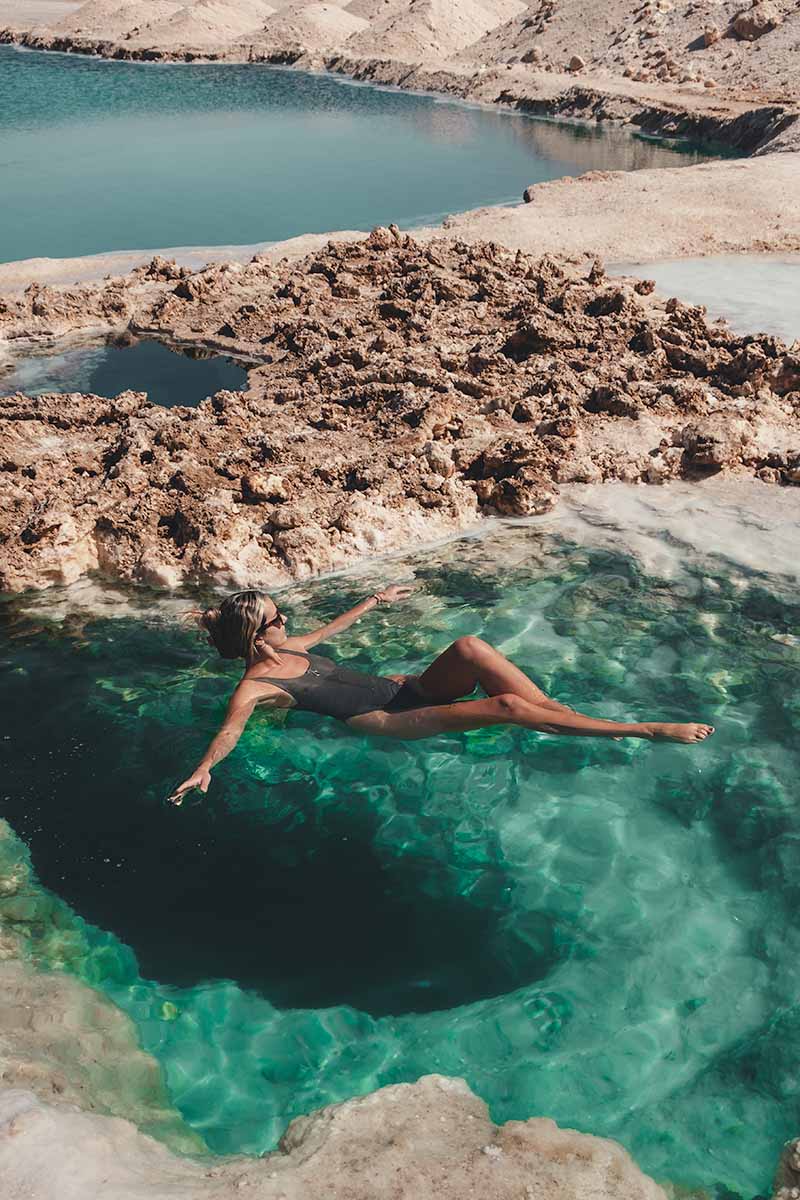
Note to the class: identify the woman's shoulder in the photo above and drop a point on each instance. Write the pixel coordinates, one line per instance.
(251, 689)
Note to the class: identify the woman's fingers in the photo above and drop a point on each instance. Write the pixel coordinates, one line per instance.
(396, 592)
(179, 793)
(200, 779)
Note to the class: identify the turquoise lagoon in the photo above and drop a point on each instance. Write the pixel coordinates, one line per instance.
(98, 156)
(602, 932)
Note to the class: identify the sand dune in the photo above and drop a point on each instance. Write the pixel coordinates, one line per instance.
(30, 13)
(652, 41)
(111, 20)
(316, 26)
(424, 30)
(408, 30)
(375, 10)
(207, 24)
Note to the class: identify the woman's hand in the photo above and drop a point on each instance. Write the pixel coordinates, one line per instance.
(394, 592)
(201, 778)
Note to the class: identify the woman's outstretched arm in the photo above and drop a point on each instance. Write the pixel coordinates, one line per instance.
(388, 595)
(240, 708)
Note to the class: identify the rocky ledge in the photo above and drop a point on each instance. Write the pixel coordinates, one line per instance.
(398, 391)
(432, 1140)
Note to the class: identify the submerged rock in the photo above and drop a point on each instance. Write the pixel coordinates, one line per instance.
(399, 390)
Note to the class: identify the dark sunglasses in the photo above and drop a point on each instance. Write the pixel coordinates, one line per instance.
(278, 619)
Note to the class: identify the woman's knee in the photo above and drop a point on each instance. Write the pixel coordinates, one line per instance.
(509, 706)
(471, 649)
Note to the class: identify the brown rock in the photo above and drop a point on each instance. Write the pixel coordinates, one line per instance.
(784, 377)
(576, 63)
(753, 23)
(259, 487)
(714, 443)
(395, 387)
(526, 494)
(711, 34)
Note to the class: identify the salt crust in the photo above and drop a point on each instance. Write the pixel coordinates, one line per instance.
(737, 524)
(430, 1140)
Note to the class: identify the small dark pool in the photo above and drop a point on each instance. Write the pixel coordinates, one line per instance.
(168, 376)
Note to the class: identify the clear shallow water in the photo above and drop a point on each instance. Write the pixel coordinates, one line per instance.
(635, 905)
(169, 377)
(756, 293)
(99, 155)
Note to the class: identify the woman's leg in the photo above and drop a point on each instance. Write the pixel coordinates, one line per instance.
(508, 708)
(469, 663)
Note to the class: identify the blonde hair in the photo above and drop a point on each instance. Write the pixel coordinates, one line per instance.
(236, 624)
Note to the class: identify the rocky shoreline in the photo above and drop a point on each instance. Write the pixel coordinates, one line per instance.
(744, 126)
(397, 390)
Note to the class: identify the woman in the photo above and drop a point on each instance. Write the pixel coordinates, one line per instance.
(280, 673)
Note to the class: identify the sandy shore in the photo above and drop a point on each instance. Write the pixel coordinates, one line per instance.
(712, 208)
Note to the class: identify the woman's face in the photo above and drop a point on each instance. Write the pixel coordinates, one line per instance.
(273, 629)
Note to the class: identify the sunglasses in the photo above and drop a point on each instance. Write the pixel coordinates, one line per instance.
(278, 619)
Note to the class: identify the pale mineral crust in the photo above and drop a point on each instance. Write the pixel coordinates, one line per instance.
(398, 392)
(430, 1140)
(787, 1179)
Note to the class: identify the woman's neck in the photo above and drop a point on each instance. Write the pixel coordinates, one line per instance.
(266, 654)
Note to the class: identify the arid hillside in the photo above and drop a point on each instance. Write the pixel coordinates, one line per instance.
(743, 49)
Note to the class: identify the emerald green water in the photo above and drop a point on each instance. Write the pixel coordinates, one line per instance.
(601, 932)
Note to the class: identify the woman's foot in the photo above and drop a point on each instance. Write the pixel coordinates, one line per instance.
(678, 733)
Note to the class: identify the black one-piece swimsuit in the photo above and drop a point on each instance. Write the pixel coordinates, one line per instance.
(335, 691)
